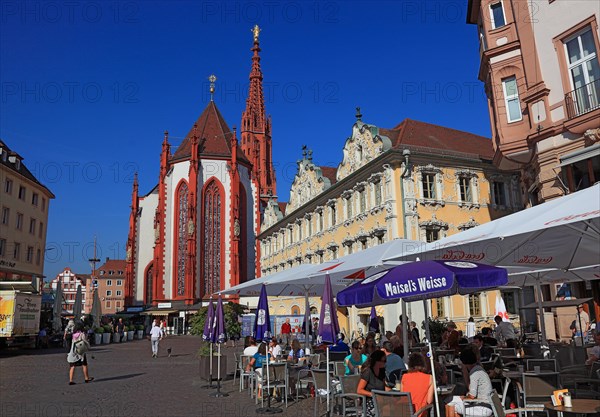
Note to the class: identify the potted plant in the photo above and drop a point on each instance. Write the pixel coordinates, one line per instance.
(204, 358)
(140, 331)
(106, 334)
(130, 331)
(98, 331)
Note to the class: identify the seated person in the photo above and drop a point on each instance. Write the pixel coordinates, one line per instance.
(372, 378)
(486, 332)
(595, 352)
(252, 348)
(256, 363)
(296, 354)
(485, 351)
(394, 365)
(418, 382)
(274, 348)
(354, 361)
(340, 346)
(480, 386)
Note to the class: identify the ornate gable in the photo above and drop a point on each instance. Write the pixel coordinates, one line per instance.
(364, 145)
(271, 215)
(309, 182)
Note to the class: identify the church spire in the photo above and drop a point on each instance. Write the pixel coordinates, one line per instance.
(256, 128)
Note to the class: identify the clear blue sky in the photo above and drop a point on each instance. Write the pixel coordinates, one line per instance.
(87, 88)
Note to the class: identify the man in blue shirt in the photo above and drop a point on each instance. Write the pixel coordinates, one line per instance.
(340, 346)
(394, 364)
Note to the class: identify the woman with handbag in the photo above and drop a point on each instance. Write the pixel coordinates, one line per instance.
(77, 354)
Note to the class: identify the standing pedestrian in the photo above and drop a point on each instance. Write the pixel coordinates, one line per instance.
(155, 337)
(505, 331)
(77, 354)
(163, 327)
(68, 335)
(415, 333)
(120, 328)
(582, 321)
(471, 330)
(286, 331)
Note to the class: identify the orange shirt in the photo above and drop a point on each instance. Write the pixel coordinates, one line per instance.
(417, 383)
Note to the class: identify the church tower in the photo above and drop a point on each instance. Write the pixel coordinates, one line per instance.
(256, 130)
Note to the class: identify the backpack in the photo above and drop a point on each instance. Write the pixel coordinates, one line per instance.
(81, 345)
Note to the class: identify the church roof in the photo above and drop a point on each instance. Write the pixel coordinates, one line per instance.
(416, 133)
(214, 137)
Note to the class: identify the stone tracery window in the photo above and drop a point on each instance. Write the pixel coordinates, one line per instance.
(212, 239)
(182, 217)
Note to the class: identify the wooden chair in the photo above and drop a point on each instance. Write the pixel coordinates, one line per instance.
(397, 404)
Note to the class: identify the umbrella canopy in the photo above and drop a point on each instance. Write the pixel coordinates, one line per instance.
(96, 309)
(262, 324)
(209, 324)
(56, 312)
(77, 306)
(329, 327)
(423, 280)
(373, 321)
(561, 234)
(219, 333)
(254, 286)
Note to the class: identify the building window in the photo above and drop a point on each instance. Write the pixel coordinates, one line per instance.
(432, 234)
(466, 193)
(108, 304)
(108, 293)
(584, 73)
(475, 304)
(320, 221)
(497, 15)
(363, 200)
(349, 212)
(102, 272)
(182, 236)
(22, 192)
(38, 257)
(32, 226)
(30, 254)
(511, 99)
(377, 190)
(213, 254)
(2, 247)
(8, 184)
(119, 282)
(295, 310)
(499, 193)
(119, 293)
(17, 251)
(510, 301)
(5, 215)
(43, 204)
(428, 181)
(117, 305)
(300, 230)
(333, 216)
(41, 230)
(34, 199)
(439, 306)
(19, 221)
(109, 282)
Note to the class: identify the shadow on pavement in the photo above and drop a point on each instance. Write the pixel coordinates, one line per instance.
(118, 377)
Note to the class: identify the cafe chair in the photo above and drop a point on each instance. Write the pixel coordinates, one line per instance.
(535, 391)
(278, 380)
(548, 365)
(397, 404)
(494, 402)
(583, 385)
(351, 403)
(249, 377)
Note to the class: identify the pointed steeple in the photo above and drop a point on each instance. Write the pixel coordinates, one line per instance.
(256, 128)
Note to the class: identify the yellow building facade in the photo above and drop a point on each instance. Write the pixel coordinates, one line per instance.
(416, 181)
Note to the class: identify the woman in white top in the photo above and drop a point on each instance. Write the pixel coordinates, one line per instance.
(471, 330)
(274, 348)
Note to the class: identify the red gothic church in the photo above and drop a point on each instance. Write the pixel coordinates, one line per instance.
(194, 233)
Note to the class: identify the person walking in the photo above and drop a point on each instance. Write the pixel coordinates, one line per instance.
(286, 331)
(120, 329)
(77, 354)
(155, 337)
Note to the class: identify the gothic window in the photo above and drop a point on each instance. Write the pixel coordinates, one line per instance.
(149, 274)
(212, 239)
(182, 218)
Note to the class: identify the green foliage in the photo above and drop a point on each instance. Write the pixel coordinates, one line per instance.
(99, 330)
(140, 327)
(436, 328)
(232, 327)
(107, 328)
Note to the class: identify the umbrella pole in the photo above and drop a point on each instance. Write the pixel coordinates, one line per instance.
(306, 322)
(426, 311)
(218, 393)
(404, 326)
(268, 409)
(210, 369)
(435, 393)
(538, 288)
(328, 383)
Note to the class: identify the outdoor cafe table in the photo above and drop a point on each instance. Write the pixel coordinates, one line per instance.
(580, 406)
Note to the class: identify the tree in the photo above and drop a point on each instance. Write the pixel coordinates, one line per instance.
(232, 325)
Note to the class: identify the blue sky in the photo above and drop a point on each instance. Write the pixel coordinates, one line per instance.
(88, 87)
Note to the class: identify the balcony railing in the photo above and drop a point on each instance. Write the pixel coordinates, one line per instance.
(583, 99)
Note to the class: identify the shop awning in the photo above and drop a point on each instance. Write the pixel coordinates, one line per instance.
(580, 155)
(157, 312)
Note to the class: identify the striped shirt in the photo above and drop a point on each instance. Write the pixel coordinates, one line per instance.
(480, 385)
